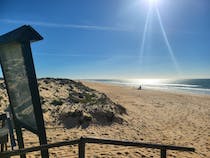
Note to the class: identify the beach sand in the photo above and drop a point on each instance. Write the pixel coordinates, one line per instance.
(152, 117)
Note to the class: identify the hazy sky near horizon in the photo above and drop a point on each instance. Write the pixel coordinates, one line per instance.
(115, 38)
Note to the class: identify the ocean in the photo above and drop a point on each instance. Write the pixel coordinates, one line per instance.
(196, 86)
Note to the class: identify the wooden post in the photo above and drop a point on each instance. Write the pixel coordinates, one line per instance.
(20, 139)
(35, 96)
(81, 148)
(163, 152)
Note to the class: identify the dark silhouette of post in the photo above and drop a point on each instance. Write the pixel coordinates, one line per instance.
(21, 82)
(163, 153)
(81, 146)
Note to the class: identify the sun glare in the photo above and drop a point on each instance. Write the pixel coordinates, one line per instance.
(152, 2)
(153, 7)
(147, 81)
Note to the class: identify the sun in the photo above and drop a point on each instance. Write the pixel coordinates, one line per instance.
(153, 2)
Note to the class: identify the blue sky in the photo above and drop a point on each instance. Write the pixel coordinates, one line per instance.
(103, 38)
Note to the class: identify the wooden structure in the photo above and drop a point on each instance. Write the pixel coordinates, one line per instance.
(21, 83)
(3, 132)
(83, 141)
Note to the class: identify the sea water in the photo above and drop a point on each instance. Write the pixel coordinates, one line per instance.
(197, 86)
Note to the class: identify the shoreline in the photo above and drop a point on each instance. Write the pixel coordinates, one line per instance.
(184, 92)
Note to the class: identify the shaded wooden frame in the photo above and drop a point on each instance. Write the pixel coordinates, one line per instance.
(24, 36)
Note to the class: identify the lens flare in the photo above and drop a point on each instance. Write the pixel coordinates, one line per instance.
(144, 34)
(152, 7)
(167, 41)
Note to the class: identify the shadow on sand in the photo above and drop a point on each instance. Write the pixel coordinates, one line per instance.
(83, 120)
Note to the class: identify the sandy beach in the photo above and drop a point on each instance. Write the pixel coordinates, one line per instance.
(152, 116)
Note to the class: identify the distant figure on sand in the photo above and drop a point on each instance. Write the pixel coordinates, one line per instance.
(139, 87)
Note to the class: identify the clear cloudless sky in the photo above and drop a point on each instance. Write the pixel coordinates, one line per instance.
(103, 38)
